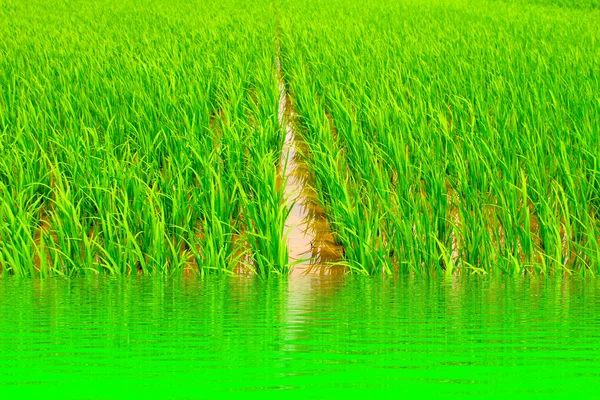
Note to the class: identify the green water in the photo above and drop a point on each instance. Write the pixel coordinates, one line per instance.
(307, 338)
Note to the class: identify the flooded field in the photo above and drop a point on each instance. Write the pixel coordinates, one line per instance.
(303, 337)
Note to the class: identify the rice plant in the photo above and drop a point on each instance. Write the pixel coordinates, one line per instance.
(452, 136)
(138, 137)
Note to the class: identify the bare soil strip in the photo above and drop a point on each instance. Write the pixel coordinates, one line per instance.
(310, 242)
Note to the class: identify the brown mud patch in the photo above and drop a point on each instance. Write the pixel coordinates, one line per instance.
(310, 241)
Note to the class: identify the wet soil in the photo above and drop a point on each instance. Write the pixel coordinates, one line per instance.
(310, 242)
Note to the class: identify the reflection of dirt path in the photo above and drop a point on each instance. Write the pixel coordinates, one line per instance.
(307, 297)
(309, 234)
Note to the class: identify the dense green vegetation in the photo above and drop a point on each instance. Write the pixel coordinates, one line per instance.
(451, 135)
(443, 136)
(138, 136)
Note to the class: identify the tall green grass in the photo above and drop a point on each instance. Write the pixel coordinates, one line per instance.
(452, 136)
(139, 137)
(444, 136)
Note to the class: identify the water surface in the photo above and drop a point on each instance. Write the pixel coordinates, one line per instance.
(304, 337)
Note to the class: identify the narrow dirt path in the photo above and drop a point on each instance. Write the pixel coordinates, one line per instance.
(310, 242)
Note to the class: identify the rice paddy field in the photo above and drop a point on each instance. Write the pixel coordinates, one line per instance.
(299, 198)
(440, 136)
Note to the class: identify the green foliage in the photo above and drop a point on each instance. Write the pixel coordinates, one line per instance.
(451, 136)
(444, 136)
(132, 134)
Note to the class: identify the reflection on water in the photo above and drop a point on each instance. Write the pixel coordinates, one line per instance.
(311, 336)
